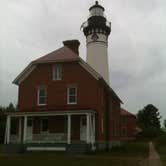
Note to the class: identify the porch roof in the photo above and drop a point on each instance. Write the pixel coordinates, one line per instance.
(49, 113)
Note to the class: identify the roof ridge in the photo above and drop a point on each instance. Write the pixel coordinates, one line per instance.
(126, 112)
(59, 53)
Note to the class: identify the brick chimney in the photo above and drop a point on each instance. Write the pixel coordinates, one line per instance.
(73, 45)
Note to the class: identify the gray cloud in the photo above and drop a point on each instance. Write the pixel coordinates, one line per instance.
(137, 51)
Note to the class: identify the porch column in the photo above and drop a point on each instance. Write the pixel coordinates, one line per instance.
(68, 128)
(19, 129)
(93, 128)
(87, 128)
(90, 128)
(8, 129)
(25, 129)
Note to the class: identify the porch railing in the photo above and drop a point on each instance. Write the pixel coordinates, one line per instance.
(41, 138)
(14, 138)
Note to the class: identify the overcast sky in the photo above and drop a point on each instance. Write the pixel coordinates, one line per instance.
(137, 44)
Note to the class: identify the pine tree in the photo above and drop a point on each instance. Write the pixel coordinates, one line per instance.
(148, 119)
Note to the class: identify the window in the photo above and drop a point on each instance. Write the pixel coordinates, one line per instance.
(44, 125)
(102, 125)
(72, 95)
(57, 72)
(42, 96)
(124, 120)
(123, 131)
(115, 128)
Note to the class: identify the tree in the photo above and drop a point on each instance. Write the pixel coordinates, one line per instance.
(164, 123)
(148, 119)
(10, 107)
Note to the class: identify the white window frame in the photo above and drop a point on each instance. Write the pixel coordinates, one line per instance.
(68, 97)
(57, 68)
(38, 96)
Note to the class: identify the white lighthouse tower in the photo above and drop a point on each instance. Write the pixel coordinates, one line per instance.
(97, 29)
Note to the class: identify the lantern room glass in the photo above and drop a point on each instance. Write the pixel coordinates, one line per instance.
(96, 11)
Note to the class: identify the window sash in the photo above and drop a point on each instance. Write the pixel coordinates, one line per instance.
(72, 95)
(57, 72)
(42, 96)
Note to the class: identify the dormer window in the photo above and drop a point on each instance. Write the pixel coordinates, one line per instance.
(41, 96)
(57, 72)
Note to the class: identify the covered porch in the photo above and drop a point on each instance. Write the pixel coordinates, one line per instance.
(55, 127)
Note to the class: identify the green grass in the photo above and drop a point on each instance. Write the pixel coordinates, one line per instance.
(129, 155)
(63, 160)
(131, 149)
(1, 148)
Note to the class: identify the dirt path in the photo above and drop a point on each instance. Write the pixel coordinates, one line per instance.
(154, 159)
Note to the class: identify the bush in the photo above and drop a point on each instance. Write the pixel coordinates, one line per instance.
(160, 141)
(150, 132)
(2, 128)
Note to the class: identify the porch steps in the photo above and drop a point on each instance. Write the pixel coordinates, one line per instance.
(45, 147)
(78, 148)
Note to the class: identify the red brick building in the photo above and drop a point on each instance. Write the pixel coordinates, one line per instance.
(128, 125)
(65, 103)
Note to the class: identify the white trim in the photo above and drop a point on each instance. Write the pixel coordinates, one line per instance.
(51, 113)
(24, 74)
(91, 129)
(25, 129)
(46, 148)
(94, 134)
(88, 128)
(8, 129)
(68, 88)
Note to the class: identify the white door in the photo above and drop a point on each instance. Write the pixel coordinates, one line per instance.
(29, 129)
(83, 128)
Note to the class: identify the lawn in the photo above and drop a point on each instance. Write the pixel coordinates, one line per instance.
(131, 155)
(132, 149)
